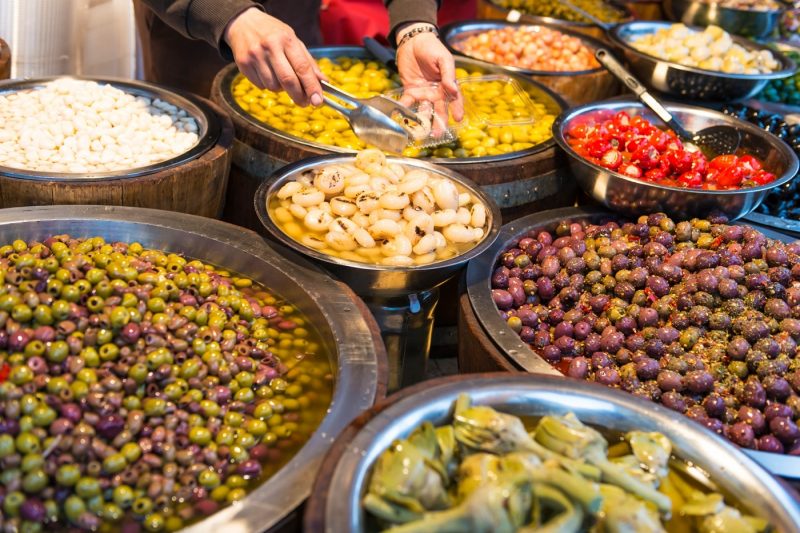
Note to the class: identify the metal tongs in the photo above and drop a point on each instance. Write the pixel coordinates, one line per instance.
(371, 118)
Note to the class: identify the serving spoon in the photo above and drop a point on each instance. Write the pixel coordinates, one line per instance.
(712, 141)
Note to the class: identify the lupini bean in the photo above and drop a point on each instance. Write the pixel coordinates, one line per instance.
(151, 372)
(702, 316)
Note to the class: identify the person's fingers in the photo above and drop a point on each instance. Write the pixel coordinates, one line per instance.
(447, 71)
(303, 65)
(267, 76)
(287, 77)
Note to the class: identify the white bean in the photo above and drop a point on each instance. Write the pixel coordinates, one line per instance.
(399, 245)
(413, 181)
(384, 229)
(340, 241)
(367, 202)
(329, 180)
(464, 199)
(344, 225)
(394, 200)
(313, 242)
(424, 200)
(425, 245)
(444, 218)
(317, 220)
(463, 216)
(289, 189)
(425, 259)
(308, 197)
(342, 206)
(298, 211)
(398, 260)
(371, 157)
(446, 194)
(363, 238)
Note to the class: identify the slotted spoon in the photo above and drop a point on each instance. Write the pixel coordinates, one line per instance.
(712, 141)
(371, 119)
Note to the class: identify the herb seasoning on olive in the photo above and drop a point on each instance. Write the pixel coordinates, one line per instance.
(701, 316)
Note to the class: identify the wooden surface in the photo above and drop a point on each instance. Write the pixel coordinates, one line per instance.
(196, 187)
(476, 352)
(5, 61)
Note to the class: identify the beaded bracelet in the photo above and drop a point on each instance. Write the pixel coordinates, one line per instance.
(417, 31)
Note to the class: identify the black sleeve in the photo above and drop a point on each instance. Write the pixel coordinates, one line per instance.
(404, 11)
(201, 19)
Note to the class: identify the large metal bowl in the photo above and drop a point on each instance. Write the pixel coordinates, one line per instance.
(577, 87)
(634, 197)
(508, 343)
(552, 102)
(690, 83)
(369, 279)
(755, 23)
(209, 126)
(335, 504)
(347, 333)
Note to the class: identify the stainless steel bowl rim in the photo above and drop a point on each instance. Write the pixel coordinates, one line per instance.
(789, 66)
(563, 120)
(209, 124)
(231, 71)
(456, 30)
(742, 10)
(356, 381)
(269, 188)
(563, 22)
(432, 401)
(478, 281)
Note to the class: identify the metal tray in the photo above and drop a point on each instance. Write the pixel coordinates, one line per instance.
(348, 464)
(345, 331)
(554, 103)
(207, 121)
(478, 278)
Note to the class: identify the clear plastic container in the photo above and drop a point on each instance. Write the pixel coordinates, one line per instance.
(496, 101)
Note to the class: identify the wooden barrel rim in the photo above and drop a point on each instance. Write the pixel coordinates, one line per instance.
(195, 187)
(5, 60)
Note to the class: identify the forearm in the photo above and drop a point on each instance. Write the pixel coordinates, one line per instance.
(201, 19)
(403, 12)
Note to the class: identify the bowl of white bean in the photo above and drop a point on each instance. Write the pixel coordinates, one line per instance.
(89, 128)
(383, 225)
(748, 18)
(694, 63)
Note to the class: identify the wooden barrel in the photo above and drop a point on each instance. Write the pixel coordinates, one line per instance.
(5, 61)
(489, 10)
(521, 184)
(196, 186)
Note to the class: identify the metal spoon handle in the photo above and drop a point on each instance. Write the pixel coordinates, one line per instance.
(335, 91)
(615, 67)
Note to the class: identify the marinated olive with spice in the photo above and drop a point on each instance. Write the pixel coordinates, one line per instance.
(708, 326)
(132, 386)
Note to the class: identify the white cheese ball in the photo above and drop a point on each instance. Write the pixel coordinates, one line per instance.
(78, 126)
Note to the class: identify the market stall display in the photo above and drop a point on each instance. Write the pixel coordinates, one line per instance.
(758, 19)
(664, 62)
(401, 292)
(148, 389)
(541, 431)
(569, 70)
(704, 333)
(521, 180)
(553, 12)
(93, 141)
(623, 184)
(787, 90)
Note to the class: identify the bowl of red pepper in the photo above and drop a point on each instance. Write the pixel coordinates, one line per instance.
(623, 156)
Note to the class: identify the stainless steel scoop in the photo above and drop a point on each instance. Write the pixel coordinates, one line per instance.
(371, 119)
(712, 141)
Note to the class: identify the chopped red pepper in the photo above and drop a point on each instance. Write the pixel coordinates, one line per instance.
(5, 370)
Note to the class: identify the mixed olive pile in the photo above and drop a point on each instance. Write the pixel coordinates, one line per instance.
(363, 78)
(783, 201)
(554, 9)
(139, 390)
(786, 90)
(701, 316)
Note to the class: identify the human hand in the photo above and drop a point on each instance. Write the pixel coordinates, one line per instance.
(269, 53)
(423, 60)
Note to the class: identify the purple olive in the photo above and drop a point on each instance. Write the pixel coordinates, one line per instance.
(592, 343)
(517, 291)
(753, 393)
(776, 256)
(777, 387)
(738, 348)
(581, 330)
(33, 509)
(607, 376)
(110, 426)
(626, 325)
(545, 288)
(768, 443)
(791, 326)
(635, 342)
(647, 317)
(732, 233)
(658, 285)
(753, 417)
(742, 434)
(784, 429)
(566, 345)
(528, 317)
(699, 381)
(502, 298)
(647, 368)
(541, 339)
(668, 334)
(670, 381)
(775, 410)
(777, 309)
(655, 348)
(551, 353)
(611, 342)
(500, 278)
(550, 266)
(715, 425)
(578, 368)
